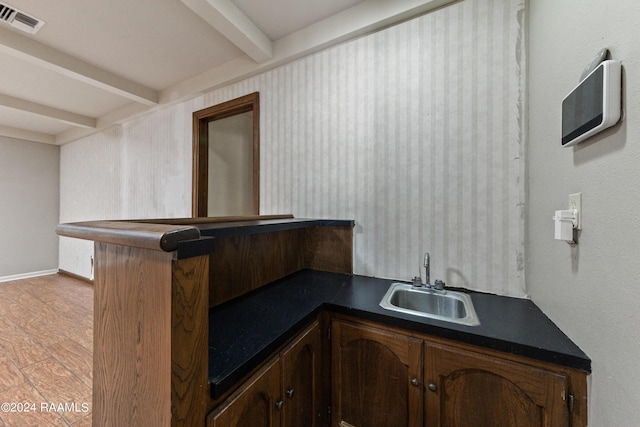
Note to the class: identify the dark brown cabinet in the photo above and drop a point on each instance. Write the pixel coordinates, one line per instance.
(302, 380)
(376, 377)
(376, 381)
(381, 376)
(471, 389)
(287, 391)
(255, 404)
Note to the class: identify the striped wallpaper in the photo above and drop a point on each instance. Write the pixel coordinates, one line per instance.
(416, 132)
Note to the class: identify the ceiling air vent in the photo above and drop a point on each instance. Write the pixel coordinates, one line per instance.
(19, 19)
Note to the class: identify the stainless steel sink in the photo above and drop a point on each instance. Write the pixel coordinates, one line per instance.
(445, 305)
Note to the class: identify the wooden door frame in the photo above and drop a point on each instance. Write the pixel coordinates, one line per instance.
(201, 119)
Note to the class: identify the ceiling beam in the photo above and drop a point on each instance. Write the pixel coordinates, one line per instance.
(47, 57)
(53, 113)
(361, 19)
(27, 135)
(232, 23)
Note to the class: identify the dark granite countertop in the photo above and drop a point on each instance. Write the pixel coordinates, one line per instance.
(245, 331)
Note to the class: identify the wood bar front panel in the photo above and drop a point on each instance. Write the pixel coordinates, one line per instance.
(132, 337)
(189, 341)
(329, 249)
(240, 264)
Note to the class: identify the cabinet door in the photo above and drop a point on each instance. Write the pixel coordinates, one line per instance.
(376, 377)
(302, 380)
(468, 389)
(255, 404)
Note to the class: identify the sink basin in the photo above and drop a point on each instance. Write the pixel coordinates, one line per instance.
(446, 305)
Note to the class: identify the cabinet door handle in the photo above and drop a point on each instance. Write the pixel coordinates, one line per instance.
(279, 404)
(433, 387)
(290, 393)
(415, 382)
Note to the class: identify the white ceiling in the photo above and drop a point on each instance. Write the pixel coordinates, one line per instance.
(97, 62)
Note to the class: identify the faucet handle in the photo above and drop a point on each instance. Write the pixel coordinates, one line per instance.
(438, 285)
(416, 282)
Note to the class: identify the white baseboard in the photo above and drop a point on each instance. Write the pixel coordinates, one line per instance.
(27, 275)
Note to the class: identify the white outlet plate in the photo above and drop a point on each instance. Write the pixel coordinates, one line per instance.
(575, 202)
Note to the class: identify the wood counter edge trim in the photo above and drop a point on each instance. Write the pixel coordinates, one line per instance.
(155, 234)
(209, 220)
(159, 237)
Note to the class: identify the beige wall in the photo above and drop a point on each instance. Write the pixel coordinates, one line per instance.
(29, 207)
(591, 291)
(415, 132)
(231, 166)
(140, 169)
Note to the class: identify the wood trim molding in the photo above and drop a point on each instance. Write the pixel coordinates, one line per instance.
(162, 237)
(212, 219)
(156, 234)
(201, 119)
(74, 276)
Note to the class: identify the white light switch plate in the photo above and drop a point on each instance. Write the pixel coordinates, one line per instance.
(575, 202)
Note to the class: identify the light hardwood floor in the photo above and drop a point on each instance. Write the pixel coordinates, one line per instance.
(46, 342)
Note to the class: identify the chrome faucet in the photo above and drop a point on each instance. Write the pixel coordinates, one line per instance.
(438, 285)
(427, 270)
